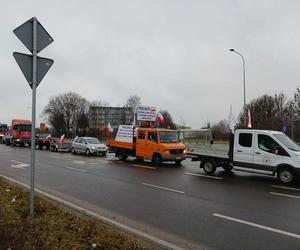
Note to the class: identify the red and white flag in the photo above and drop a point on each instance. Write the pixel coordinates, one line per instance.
(249, 125)
(48, 138)
(62, 139)
(109, 129)
(160, 118)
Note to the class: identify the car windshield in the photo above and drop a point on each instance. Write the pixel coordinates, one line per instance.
(93, 141)
(3, 128)
(286, 141)
(169, 137)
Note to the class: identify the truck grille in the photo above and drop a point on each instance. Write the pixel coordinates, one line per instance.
(176, 151)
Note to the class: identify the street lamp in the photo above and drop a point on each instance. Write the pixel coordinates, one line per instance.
(244, 78)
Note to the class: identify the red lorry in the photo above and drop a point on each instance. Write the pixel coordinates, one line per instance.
(20, 132)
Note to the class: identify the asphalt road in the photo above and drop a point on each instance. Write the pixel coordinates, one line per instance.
(177, 204)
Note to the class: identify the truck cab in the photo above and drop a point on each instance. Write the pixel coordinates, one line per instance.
(159, 145)
(267, 151)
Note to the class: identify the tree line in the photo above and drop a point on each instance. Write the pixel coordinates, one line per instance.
(68, 113)
(269, 112)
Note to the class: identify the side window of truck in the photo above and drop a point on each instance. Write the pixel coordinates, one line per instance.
(141, 135)
(245, 140)
(152, 136)
(266, 143)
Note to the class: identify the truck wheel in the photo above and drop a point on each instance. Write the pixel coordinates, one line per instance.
(286, 175)
(87, 152)
(122, 156)
(157, 159)
(52, 149)
(73, 151)
(208, 166)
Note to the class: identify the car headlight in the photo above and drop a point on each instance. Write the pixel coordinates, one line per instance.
(93, 148)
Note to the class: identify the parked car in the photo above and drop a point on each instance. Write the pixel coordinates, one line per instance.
(88, 146)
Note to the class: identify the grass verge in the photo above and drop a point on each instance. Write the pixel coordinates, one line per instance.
(54, 227)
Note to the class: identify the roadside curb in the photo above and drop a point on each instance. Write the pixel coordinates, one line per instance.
(132, 231)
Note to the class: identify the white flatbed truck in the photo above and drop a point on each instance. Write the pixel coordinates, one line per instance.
(260, 151)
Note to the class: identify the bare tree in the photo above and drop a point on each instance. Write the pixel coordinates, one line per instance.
(99, 103)
(66, 112)
(133, 101)
(267, 112)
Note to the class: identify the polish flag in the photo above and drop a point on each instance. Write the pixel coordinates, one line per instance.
(160, 118)
(249, 125)
(48, 138)
(62, 139)
(109, 129)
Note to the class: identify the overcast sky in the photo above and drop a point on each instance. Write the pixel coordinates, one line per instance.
(173, 54)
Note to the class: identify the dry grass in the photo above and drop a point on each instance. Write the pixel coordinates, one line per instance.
(53, 227)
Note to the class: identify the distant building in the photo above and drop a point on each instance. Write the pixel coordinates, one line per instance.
(99, 117)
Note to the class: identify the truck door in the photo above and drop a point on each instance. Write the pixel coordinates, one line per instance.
(267, 152)
(243, 148)
(151, 144)
(140, 143)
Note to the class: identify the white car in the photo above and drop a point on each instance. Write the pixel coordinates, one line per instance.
(88, 146)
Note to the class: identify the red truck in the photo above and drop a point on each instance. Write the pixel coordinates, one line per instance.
(20, 132)
(3, 129)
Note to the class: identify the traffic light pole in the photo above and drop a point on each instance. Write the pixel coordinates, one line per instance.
(34, 64)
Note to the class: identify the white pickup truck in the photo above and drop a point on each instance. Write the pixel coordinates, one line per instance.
(261, 151)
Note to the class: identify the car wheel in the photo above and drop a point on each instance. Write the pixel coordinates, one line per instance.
(104, 154)
(208, 166)
(157, 159)
(286, 175)
(87, 152)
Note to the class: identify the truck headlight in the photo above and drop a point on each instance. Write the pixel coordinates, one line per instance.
(184, 151)
(167, 152)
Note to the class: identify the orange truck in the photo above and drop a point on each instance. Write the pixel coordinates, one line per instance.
(155, 144)
(20, 132)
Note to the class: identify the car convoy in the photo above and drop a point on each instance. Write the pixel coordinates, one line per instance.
(254, 151)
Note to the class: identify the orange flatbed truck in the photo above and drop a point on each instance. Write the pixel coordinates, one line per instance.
(155, 144)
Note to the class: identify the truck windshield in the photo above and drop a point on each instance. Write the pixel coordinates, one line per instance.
(169, 137)
(93, 141)
(23, 127)
(286, 141)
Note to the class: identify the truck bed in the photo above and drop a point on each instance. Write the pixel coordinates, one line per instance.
(201, 150)
(111, 143)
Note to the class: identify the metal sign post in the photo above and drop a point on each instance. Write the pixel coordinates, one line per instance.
(33, 35)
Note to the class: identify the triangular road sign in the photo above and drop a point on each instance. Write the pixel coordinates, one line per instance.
(25, 63)
(25, 33)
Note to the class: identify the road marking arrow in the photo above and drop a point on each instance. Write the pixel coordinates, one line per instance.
(20, 165)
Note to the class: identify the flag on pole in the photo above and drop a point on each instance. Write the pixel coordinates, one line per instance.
(109, 129)
(249, 125)
(62, 139)
(160, 118)
(231, 120)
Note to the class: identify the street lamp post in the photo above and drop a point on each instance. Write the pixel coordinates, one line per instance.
(244, 77)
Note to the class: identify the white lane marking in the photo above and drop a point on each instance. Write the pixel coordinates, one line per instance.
(164, 188)
(206, 176)
(20, 165)
(141, 166)
(76, 169)
(258, 226)
(79, 162)
(288, 188)
(286, 195)
(99, 217)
